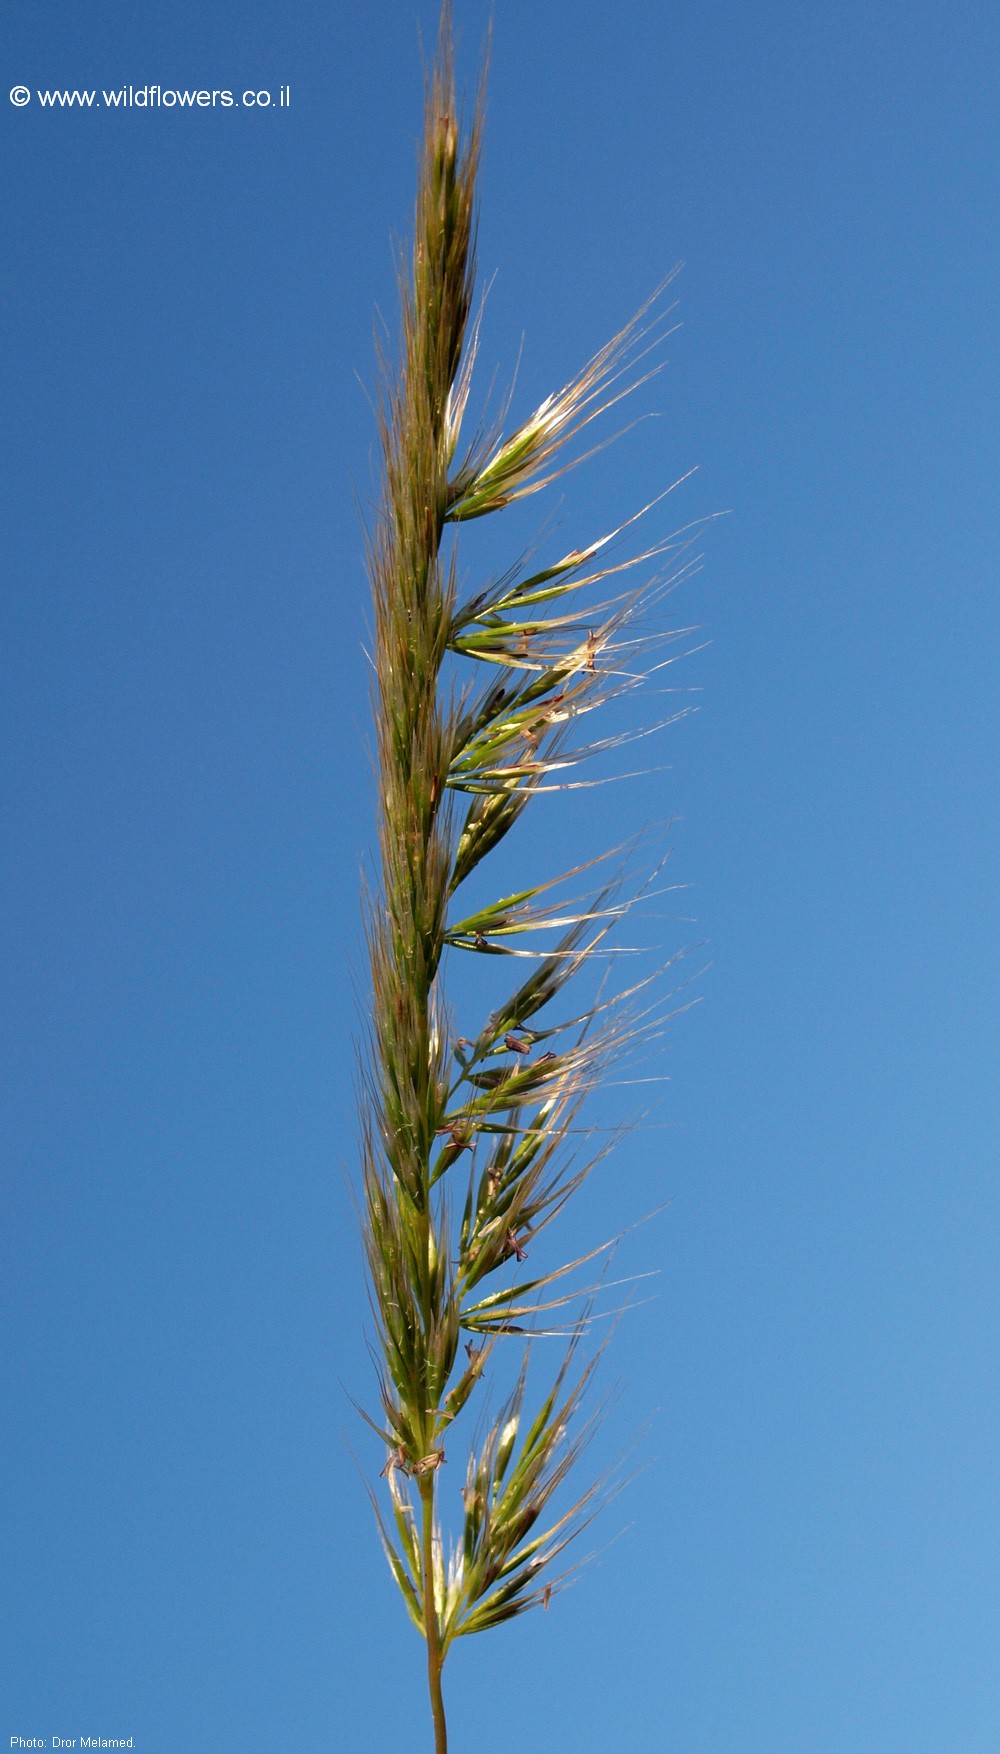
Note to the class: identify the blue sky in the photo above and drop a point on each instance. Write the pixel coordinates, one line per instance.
(807, 1562)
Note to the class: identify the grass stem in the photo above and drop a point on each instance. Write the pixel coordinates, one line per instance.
(435, 1660)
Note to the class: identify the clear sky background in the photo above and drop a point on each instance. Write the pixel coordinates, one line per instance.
(808, 1563)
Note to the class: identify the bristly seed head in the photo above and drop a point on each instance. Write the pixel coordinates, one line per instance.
(457, 767)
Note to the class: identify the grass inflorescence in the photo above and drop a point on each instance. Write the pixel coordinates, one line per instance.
(468, 1141)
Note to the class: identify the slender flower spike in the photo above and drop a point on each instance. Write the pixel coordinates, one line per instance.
(468, 1141)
